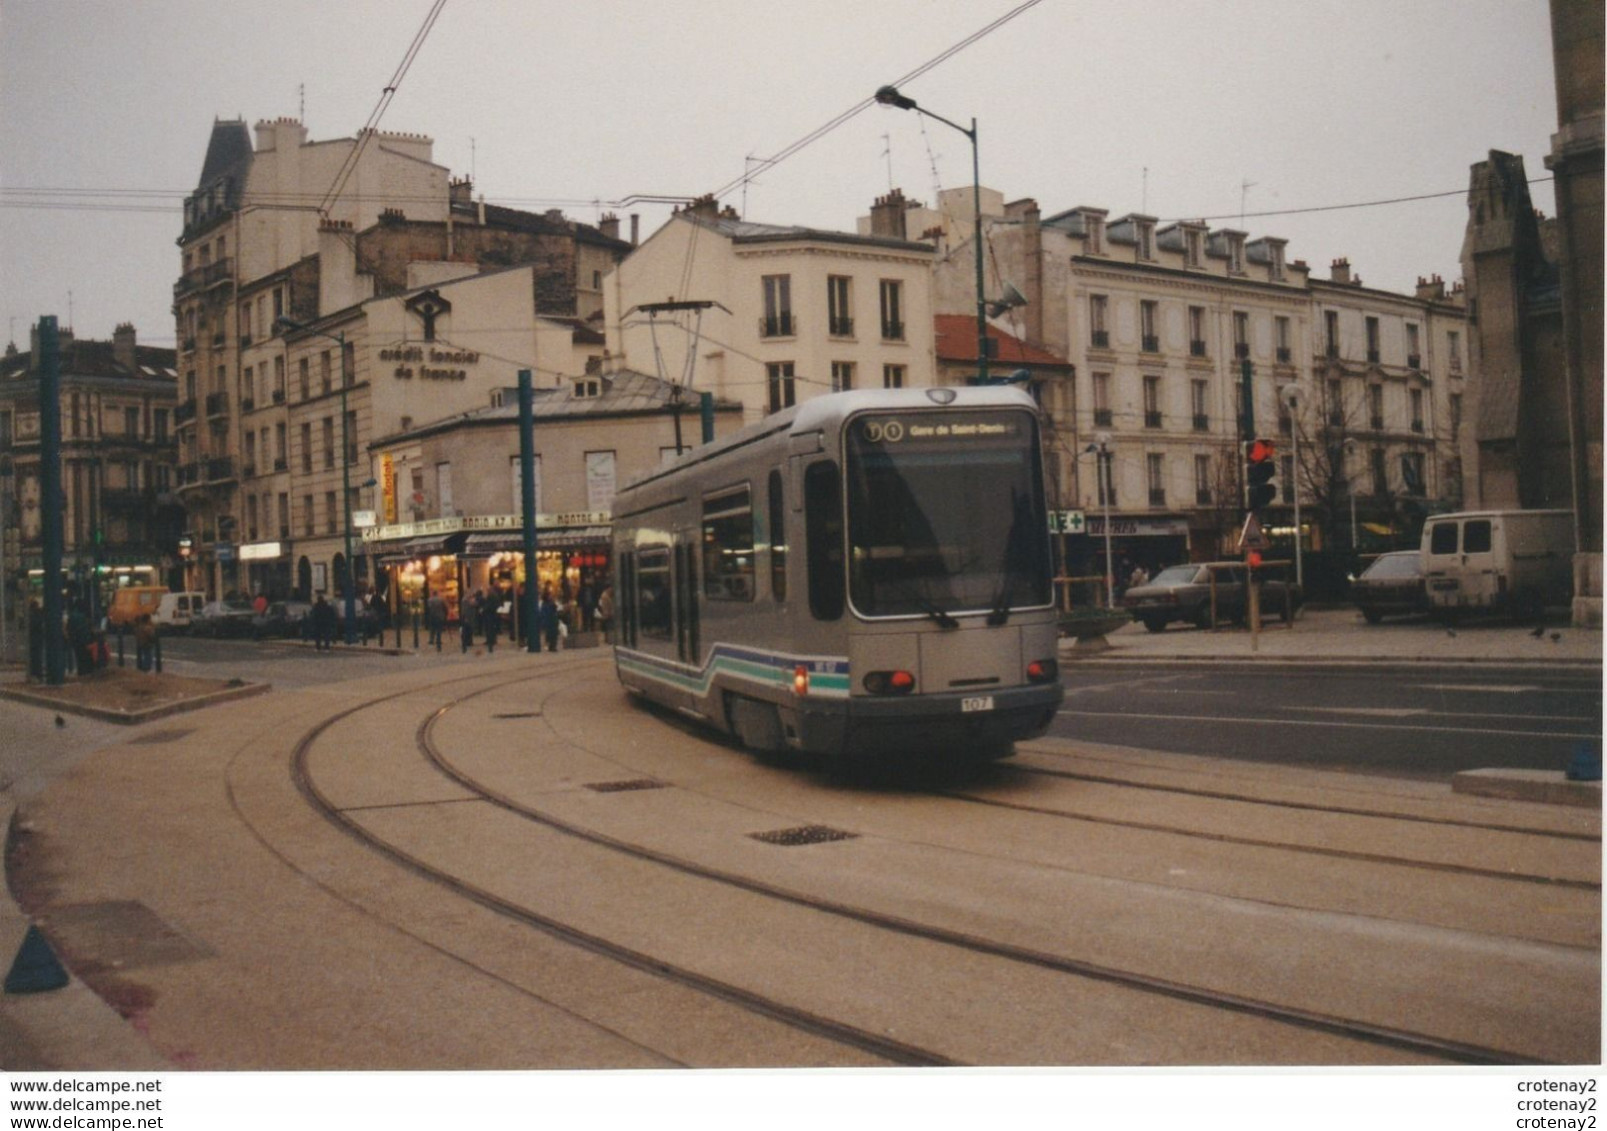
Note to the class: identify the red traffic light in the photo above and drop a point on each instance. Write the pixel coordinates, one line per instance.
(1259, 451)
(1259, 468)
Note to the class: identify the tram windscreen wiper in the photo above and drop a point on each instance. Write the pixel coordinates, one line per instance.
(1000, 612)
(931, 608)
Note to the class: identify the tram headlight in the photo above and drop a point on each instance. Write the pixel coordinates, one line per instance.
(1043, 671)
(889, 683)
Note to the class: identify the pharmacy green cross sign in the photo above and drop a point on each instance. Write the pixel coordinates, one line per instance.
(1066, 522)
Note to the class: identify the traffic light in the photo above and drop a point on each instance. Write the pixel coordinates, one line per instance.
(1260, 465)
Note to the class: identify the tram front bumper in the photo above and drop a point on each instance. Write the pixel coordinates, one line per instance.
(865, 726)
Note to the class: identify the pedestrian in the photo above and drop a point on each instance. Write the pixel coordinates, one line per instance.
(547, 617)
(468, 609)
(81, 637)
(490, 621)
(588, 607)
(1139, 576)
(435, 617)
(323, 624)
(605, 612)
(260, 604)
(145, 643)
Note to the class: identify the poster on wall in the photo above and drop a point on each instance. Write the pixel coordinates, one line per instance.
(599, 481)
(320, 577)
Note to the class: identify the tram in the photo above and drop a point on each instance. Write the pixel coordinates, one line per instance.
(864, 575)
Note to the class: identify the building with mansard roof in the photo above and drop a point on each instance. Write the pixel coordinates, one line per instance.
(117, 461)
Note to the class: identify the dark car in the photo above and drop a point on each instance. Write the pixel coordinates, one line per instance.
(284, 619)
(223, 618)
(1183, 593)
(1392, 586)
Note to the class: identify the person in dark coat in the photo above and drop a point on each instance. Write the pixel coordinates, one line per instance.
(323, 624)
(468, 611)
(547, 617)
(490, 621)
(81, 635)
(435, 618)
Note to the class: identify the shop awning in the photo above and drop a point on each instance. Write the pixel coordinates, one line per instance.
(407, 549)
(559, 538)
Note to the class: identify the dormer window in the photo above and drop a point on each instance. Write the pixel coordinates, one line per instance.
(1144, 230)
(1275, 267)
(1095, 244)
(1235, 253)
(1193, 247)
(588, 387)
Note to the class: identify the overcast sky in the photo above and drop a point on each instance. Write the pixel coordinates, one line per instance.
(1164, 107)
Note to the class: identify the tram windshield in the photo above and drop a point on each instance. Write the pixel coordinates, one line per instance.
(946, 514)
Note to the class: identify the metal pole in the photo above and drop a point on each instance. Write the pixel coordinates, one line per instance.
(346, 491)
(527, 506)
(50, 495)
(1105, 461)
(981, 302)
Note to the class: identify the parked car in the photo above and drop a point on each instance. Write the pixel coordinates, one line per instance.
(1183, 593)
(281, 619)
(1391, 586)
(223, 618)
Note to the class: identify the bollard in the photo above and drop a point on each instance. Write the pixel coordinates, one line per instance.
(120, 646)
(156, 652)
(415, 630)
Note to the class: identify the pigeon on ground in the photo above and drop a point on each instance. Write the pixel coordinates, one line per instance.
(60, 722)
(1556, 636)
(1450, 632)
(1539, 631)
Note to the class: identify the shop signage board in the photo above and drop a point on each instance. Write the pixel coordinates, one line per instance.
(439, 527)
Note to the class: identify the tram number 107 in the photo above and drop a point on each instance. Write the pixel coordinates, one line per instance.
(977, 703)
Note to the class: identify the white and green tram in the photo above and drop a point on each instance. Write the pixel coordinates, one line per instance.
(866, 574)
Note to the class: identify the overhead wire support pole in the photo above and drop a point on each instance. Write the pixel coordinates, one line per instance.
(527, 509)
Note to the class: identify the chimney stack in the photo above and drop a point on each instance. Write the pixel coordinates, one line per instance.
(1340, 271)
(887, 216)
(609, 225)
(123, 346)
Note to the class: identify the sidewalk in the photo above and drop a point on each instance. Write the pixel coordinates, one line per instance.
(1340, 635)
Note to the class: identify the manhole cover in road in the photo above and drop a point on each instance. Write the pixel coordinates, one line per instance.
(157, 737)
(804, 834)
(118, 935)
(624, 786)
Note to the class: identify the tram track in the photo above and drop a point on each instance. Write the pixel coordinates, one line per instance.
(895, 1052)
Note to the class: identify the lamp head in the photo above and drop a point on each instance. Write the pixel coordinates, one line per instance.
(1011, 299)
(889, 96)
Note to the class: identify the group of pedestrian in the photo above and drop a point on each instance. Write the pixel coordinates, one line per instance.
(480, 614)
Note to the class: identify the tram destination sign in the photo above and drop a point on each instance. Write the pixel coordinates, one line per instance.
(943, 427)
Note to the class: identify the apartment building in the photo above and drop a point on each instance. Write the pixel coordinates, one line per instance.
(117, 465)
(1160, 322)
(284, 233)
(770, 315)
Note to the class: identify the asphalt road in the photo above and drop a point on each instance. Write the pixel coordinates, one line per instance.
(1415, 720)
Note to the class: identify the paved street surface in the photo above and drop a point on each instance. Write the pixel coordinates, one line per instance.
(409, 862)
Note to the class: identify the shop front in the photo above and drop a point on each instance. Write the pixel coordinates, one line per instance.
(459, 558)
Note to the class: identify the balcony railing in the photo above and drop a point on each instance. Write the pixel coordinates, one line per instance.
(201, 277)
(1151, 343)
(1152, 418)
(892, 331)
(278, 396)
(247, 404)
(220, 468)
(776, 326)
(217, 404)
(183, 411)
(1202, 422)
(1414, 361)
(1100, 339)
(841, 327)
(1196, 347)
(189, 473)
(280, 464)
(1157, 496)
(1102, 417)
(1284, 355)
(247, 470)
(1417, 426)
(1202, 496)
(1372, 356)
(1241, 350)
(1333, 350)
(1377, 423)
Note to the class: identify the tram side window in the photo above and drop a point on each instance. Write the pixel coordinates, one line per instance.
(823, 528)
(728, 545)
(653, 594)
(778, 539)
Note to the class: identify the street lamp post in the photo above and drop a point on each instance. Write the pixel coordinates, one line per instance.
(1100, 448)
(1291, 398)
(889, 96)
(349, 597)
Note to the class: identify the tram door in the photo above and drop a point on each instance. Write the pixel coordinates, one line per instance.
(686, 604)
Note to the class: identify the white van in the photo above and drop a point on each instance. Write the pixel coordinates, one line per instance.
(1498, 561)
(178, 610)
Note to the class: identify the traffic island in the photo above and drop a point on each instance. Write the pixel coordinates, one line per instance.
(123, 695)
(1552, 787)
